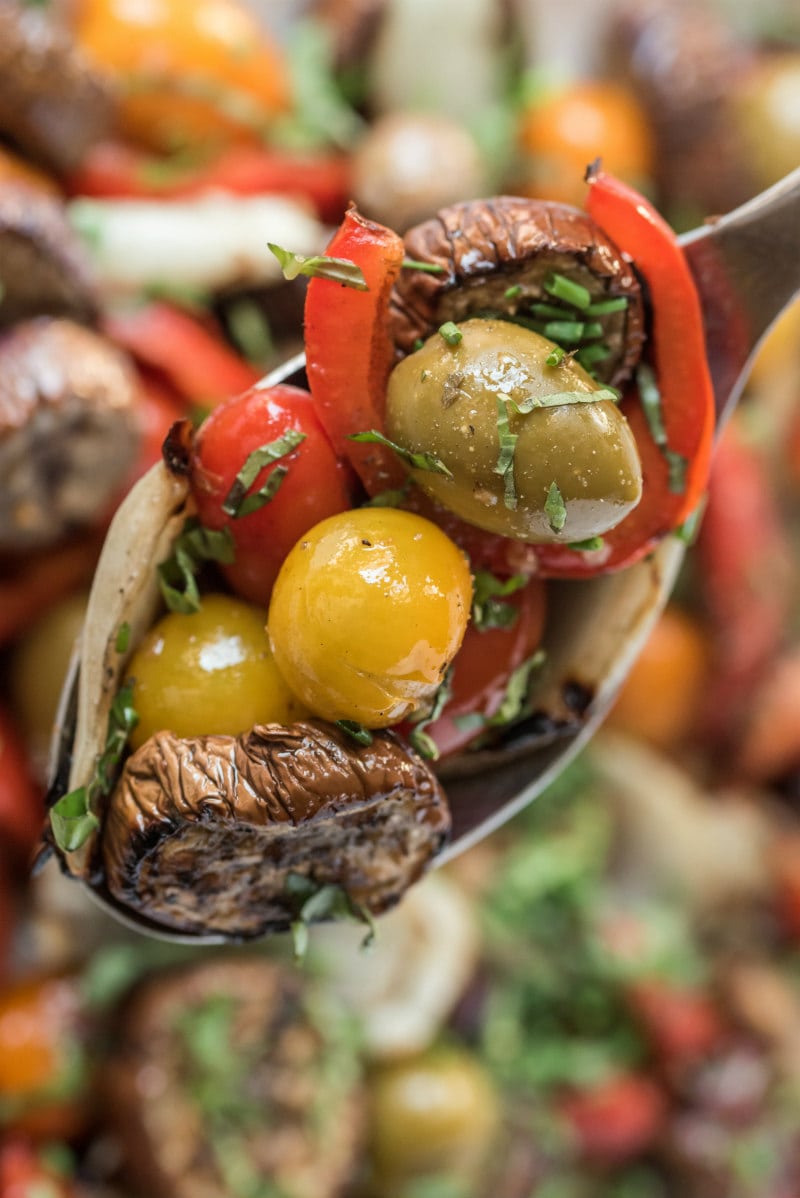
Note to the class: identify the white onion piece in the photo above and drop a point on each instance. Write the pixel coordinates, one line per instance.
(217, 240)
(403, 988)
(675, 836)
(441, 57)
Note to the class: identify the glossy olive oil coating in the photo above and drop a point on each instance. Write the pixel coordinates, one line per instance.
(450, 398)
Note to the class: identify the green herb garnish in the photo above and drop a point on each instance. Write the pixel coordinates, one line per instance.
(555, 357)
(320, 266)
(123, 637)
(419, 461)
(555, 509)
(451, 333)
(249, 328)
(515, 701)
(418, 738)
(488, 608)
(587, 546)
(512, 292)
(237, 502)
(312, 901)
(431, 268)
(505, 458)
(570, 331)
(73, 817)
(650, 397)
(605, 307)
(568, 290)
(355, 731)
(177, 576)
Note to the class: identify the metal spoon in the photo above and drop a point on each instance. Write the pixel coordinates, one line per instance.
(747, 269)
(746, 266)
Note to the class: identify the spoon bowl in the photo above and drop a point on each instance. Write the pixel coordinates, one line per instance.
(747, 269)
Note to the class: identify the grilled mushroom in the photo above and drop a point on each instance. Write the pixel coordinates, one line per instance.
(53, 104)
(68, 431)
(497, 258)
(43, 270)
(210, 834)
(222, 1076)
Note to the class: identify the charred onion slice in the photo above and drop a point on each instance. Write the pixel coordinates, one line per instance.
(499, 257)
(224, 1070)
(201, 835)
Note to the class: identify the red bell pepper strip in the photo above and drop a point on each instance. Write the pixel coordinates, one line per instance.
(114, 170)
(683, 379)
(189, 352)
(349, 350)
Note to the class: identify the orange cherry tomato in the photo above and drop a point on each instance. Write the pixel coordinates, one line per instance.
(660, 700)
(43, 1089)
(563, 131)
(188, 72)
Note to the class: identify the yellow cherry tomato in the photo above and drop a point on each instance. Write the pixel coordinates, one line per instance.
(368, 611)
(211, 671)
(187, 70)
(431, 1113)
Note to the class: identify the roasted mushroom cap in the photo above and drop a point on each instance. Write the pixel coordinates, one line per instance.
(496, 257)
(224, 1070)
(53, 104)
(207, 834)
(68, 430)
(43, 270)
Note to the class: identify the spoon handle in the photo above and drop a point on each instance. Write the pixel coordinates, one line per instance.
(747, 269)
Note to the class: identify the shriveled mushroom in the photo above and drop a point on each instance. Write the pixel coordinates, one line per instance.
(223, 1070)
(68, 430)
(498, 257)
(43, 268)
(205, 834)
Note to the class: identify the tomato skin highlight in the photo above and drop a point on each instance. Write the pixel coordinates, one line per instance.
(317, 483)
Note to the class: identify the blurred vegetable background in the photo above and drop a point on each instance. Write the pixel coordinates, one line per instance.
(603, 1001)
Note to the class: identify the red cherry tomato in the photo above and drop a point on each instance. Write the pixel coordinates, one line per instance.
(21, 802)
(23, 1174)
(616, 1120)
(484, 665)
(316, 483)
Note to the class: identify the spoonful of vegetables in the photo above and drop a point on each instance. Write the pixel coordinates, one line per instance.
(371, 607)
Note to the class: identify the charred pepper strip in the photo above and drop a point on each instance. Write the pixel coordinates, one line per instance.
(679, 362)
(349, 351)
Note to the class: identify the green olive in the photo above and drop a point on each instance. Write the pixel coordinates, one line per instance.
(574, 469)
(432, 1113)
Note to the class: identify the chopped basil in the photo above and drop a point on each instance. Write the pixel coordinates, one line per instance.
(123, 637)
(650, 397)
(512, 292)
(73, 818)
(488, 609)
(555, 509)
(559, 399)
(505, 459)
(237, 502)
(418, 738)
(568, 290)
(419, 461)
(177, 575)
(587, 546)
(431, 268)
(355, 731)
(555, 356)
(451, 333)
(320, 266)
(515, 700)
(312, 901)
(394, 497)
